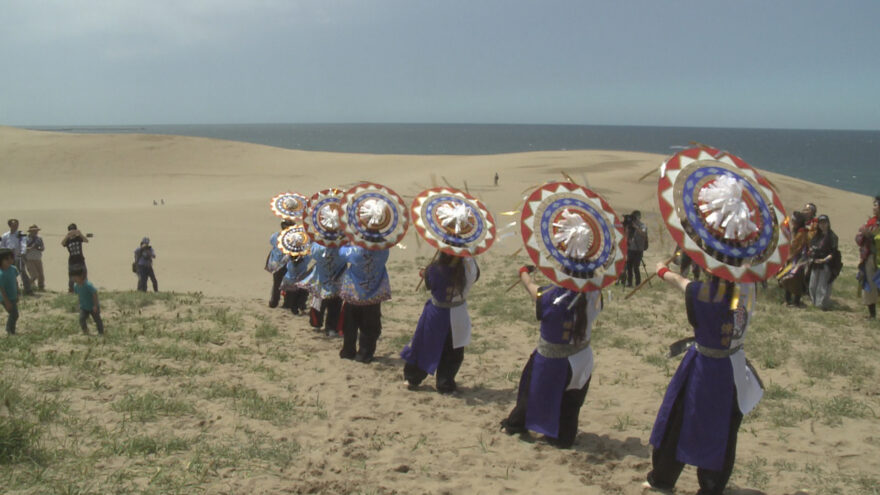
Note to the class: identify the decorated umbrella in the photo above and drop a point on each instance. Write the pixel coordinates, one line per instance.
(294, 241)
(375, 217)
(453, 221)
(723, 214)
(323, 218)
(289, 205)
(573, 236)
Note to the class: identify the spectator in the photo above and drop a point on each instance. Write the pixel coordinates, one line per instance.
(33, 257)
(76, 262)
(636, 244)
(868, 240)
(143, 258)
(14, 240)
(823, 248)
(9, 288)
(792, 277)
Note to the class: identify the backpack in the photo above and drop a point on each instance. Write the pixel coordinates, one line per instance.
(836, 264)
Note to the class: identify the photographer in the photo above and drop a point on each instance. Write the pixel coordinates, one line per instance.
(143, 264)
(15, 240)
(636, 244)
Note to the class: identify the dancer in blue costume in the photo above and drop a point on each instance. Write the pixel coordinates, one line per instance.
(444, 328)
(555, 380)
(277, 266)
(324, 287)
(713, 387)
(365, 285)
(295, 284)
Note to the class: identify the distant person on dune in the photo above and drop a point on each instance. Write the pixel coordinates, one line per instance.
(825, 263)
(76, 262)
(88, 302)
(15, 241)
(9, 288)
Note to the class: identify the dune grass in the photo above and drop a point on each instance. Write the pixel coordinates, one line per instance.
(183, 389)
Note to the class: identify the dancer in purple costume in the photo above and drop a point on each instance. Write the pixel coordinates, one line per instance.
(555, 380)
(713, 387)
(444, 328)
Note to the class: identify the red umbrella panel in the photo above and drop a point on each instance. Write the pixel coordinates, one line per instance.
(723, 214)
(323, 218)
(573, 236)
(289, 206)
(453, 221)
(375, 216)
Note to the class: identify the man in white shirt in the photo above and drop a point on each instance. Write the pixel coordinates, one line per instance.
(16, 241)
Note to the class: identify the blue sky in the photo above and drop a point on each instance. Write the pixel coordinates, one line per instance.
(770, 63)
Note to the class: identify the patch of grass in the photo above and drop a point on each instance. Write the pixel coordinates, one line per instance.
(821, 363)
(265, 331)
(248, 402)
(148, 406)
(143, 445)
(65, 301)
(18, 441)
(756, 472)
(835, 409)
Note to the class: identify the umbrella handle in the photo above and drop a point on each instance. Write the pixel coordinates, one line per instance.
(421, 279)
(644, 282)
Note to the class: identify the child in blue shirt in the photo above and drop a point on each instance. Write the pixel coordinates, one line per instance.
(88, 302)
(9, 288)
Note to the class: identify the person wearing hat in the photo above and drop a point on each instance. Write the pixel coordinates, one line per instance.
(325, 286)
(554, 383)
(9, 288)
(444, 328)
(15, 241)
(33, 257)
(825, 263)
(365, 284)
(276, 264)
(868, 240)
(733, 232)
(297, 278)
(76, 262)
(143, 259)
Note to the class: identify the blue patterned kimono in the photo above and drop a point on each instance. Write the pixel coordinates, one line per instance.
(365, 281)
(276, 258)
(329, 265)
(298, 274)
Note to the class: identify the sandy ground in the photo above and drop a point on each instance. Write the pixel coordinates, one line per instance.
(212, 234)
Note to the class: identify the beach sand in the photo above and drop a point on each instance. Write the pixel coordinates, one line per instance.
(212, 236)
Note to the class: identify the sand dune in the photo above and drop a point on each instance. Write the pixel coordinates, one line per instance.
(212, 233)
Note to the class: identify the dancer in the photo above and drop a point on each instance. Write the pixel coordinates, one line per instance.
(555, 380)
(322, 224)
(575, 239)
(728, 227)
(460, 227)
(276, 264)
(295, 284)
(326, 281)
(375, 219)
(792, 278)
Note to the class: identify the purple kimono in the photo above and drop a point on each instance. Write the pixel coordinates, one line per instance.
(708, 383)
(445, 312)
(549, 376)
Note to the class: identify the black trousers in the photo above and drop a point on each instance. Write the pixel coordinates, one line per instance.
(361, 328)
(277, 277)
(295, 300)
(666, 468)
(572, 400)
(328, 315)
(633, 264)
(450, 363)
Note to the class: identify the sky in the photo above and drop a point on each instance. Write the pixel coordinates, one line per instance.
(804, 64)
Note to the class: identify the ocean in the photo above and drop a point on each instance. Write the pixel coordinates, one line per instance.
(848, 160)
